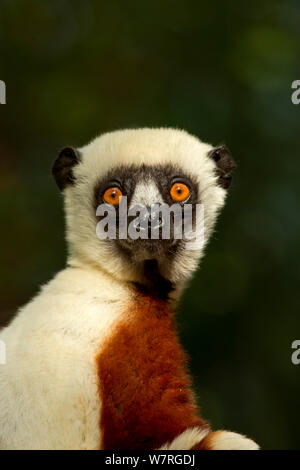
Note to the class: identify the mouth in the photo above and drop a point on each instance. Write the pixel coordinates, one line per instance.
(142, 250)
(152, 261)
(152, 239)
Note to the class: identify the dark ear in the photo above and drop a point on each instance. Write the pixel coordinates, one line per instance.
(224, 165)
(62, 168)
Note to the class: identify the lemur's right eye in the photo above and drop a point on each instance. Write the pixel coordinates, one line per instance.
(113, 195)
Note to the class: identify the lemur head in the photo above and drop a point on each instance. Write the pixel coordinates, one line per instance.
(148, 167)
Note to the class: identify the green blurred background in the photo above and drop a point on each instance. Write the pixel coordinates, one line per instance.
(221, 70)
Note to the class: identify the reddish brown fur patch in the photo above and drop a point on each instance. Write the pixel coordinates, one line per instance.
(144, 388)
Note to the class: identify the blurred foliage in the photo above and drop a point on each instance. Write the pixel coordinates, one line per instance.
(223, 71)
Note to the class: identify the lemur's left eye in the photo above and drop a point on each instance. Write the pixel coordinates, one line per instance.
(113, 196)
(179, 192)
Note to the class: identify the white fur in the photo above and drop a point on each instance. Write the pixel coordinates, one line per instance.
(187, 440)
(226, 440)
(49, 385)
(146, 193)
(220, 440)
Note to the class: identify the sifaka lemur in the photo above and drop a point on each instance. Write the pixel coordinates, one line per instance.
(94, 360)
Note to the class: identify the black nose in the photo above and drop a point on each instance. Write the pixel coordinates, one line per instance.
(155, 218)
(148, 218)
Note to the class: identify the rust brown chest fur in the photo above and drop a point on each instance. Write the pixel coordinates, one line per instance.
(143, 384)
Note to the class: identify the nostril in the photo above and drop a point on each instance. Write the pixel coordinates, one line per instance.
(161, 221)
(157, 221)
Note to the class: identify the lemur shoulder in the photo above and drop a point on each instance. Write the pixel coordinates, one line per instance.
(94, 361)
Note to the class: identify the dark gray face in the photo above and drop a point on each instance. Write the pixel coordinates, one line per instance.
(127, 177)
(148, 185)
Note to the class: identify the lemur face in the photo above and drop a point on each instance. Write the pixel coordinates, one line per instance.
(146, 189)
(150, 169)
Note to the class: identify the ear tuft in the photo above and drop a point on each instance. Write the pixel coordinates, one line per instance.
(62, 168)
(224, 165)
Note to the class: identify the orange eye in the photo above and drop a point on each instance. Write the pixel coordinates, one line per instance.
(112, 196)
(179, 192)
